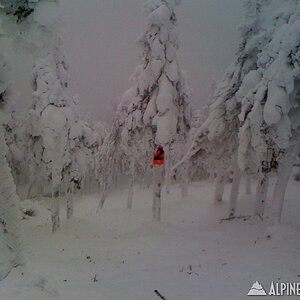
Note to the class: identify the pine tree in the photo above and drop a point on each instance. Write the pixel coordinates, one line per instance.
(270, 107)
(155, 110)
(255, 106)
(217, 139)
(10, 237)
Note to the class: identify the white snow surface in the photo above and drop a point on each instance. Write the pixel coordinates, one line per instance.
(122, 254)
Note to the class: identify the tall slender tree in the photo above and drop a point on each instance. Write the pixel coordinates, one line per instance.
(155, 110)
(256, 104)
(10, 238)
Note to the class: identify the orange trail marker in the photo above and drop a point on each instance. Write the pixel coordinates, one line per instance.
(159, 157)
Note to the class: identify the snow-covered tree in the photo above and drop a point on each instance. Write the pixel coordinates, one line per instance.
(254, 107)
(49, 129)
(14, 137)
(61, 143)
(155, 110)
(11, 13)
(59, 152)
(20, 9)
(198, 169)
(10, 240)
(270, 99)
(216, 141)
(84, 143)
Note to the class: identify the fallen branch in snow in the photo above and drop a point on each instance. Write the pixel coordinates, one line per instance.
(244, 218)
(160, 295)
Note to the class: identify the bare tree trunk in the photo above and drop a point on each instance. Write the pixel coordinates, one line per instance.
(70, 200)
(234, 190)
(168, 169)
(219, 187)
(130, 191)
(284, 173)
(130, 194)
(157, 184)
(211, 176)
(184, 182)
(103, 198)
(55, 210)
(261, 194)
(248, 186)
(56, 183)
(29, 192)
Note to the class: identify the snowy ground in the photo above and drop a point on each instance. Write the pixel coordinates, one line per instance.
(123, 255)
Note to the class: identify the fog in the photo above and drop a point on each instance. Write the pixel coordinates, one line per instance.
(100, 41)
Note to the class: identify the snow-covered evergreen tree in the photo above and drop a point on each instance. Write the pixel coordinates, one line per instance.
(11, 13)
(61, 144)
(216, 140)
(155, 110)
(254, 107)
(14, 137)
(20, 9)
(53, 128)
(49, 115)
(10, 240)
(198, 169)
(270, 98)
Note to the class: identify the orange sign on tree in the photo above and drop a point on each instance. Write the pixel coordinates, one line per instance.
(158, 156)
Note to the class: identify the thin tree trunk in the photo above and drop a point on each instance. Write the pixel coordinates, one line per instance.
(130, 191)
(248, 186)
(30, 189)
(168, 169)
(130, 195)
(284, 173)
(261, 195)
(157, 184)
(70, 200)
(103, 198)
(184, 183)
(56, 183)
(234, 190)
(55, 210)
(220, 186)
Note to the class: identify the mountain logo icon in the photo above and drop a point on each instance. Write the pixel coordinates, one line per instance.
(257, 290)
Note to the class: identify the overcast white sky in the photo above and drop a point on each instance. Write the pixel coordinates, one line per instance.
(100, 40)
